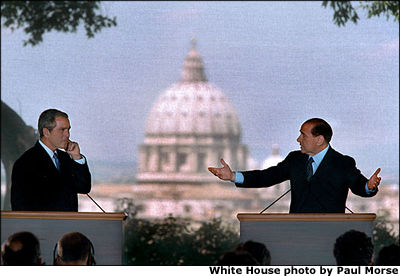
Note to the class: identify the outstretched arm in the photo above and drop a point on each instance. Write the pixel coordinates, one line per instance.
(224, 173)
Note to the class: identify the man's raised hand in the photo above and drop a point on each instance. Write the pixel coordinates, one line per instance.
(72, 148)
(224, 173)
(375, 180)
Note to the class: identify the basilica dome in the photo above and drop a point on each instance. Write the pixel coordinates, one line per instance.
(193, 106)
(190, 126)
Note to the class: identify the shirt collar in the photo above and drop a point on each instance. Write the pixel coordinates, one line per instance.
(319, 156)
(49, 152)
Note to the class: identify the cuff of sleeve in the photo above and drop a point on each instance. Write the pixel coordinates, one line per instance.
(239, 178)
(81, 161)
(368, 191)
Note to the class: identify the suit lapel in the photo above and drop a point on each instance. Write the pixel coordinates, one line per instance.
(325, 162)
(45, 159)
(303, 167)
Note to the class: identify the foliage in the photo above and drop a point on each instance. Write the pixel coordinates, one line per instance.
(173, 241)
(127, 206)
(344, 10)
(383, 234)
(38, 17)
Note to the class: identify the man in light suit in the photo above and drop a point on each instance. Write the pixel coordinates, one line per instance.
(48, 176)
(320, 177)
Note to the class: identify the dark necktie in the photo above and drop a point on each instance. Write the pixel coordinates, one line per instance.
(56, 160)
(309, 169)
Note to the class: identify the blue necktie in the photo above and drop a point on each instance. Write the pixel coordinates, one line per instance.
(57, 161)
(309, 169)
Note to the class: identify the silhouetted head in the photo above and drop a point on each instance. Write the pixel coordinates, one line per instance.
(389, 255)
(353, 248)
(21, 248)
(237, 258)
(74, 249)
(258, 250)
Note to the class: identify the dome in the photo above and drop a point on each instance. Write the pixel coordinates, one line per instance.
(191, 126)
(193, 106)
(274, 158)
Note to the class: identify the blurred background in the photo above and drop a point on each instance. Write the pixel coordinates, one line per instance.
(174, 86)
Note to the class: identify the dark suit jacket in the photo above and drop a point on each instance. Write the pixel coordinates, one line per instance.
(36, 184)
(327, 190)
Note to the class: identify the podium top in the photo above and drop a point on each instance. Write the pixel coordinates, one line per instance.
(63, 215)
(306, 217)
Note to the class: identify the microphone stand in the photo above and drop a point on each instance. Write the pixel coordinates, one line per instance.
(288, 192)
(95, 203)
(275, 201)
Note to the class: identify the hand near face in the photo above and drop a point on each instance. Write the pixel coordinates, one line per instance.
(375, 180)
(72, 148)
(224, 173)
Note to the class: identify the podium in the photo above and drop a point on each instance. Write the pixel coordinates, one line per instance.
(301, 239)
(105, 231)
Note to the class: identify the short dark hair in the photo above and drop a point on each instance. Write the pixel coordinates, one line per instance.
(258, 250)
(48, 119)
(321, 127)
(389, 255)
(28, 252)
(74, 246)
(237, 258)
(353, 248)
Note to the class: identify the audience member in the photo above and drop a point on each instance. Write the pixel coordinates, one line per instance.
(21, 248)
(258, 250)
(237, 258)
(74, 248)
(353, 248)
(389, 255)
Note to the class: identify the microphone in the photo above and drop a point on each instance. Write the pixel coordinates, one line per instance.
(95, 203)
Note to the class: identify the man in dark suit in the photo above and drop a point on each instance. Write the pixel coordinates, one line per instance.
(320, 177)
(48, 176)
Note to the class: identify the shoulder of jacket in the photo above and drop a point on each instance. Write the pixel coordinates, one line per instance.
(296, 153)
(295, 156)
(343, 158)
(32, 153)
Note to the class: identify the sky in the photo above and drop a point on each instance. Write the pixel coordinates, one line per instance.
(280, 63)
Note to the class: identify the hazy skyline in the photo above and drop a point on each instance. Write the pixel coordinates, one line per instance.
(279, 63)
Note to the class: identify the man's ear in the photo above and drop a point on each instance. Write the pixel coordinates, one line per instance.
(89, 260)
(320, 140)
(58, 260)
(46, 132)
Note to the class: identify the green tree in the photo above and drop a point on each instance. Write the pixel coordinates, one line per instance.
(38, 17)
(344, 10)
(384, 233)
(173, 241)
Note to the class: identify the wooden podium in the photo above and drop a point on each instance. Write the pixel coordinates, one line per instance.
(301, 239)
(105, 231)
